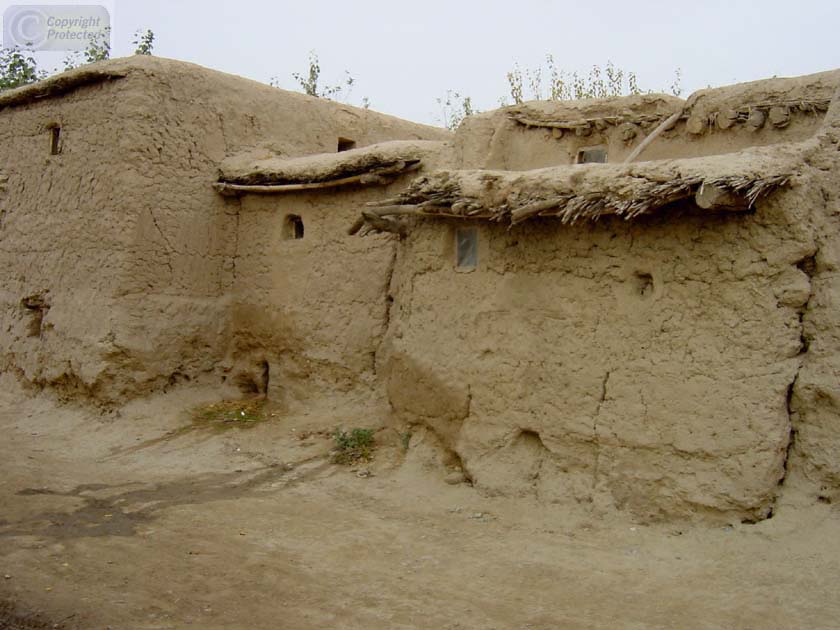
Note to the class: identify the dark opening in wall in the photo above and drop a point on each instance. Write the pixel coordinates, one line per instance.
(253, 380)
(643, 283)
(55, 140)
(589, 155)
(466, 248)
(293, 227)
(36, 307)
(345, 144)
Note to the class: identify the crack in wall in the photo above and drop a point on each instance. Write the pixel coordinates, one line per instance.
(389, 303)
(222, 130)
(235, 240)
(791, 441)
(169, 248)
(595, 439)
(536, 484)
(792, 433)
(808, 266)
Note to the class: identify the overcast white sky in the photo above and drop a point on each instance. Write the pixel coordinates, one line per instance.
(405, 54)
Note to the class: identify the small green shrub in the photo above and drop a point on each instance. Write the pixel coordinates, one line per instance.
(17, 68)
(229, 413)
(144, 42)
(353, 446)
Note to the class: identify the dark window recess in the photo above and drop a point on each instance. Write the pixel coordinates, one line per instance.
(55, 140)
(644, 283)
(466, 248)
(345, 144)
(36, 307)
(591, 155)
(293, 227)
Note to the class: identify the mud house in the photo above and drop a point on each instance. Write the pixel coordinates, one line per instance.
(628, 303)
(123, 261)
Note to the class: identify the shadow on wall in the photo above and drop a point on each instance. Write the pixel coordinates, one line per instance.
(419, 396)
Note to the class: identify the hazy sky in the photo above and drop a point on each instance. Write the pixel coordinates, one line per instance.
(406, 54)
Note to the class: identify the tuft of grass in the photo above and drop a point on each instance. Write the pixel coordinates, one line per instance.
(231, 413)
(353, 446)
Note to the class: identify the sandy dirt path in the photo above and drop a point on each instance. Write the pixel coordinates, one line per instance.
(112, 522)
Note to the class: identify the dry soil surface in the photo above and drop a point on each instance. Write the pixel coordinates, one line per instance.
(131, 521)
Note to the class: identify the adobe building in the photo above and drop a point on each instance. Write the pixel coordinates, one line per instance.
(625, 303)
(122, 260)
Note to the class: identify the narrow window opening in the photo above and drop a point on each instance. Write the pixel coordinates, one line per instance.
(55, 138)
(466, 248)
(590, 155)
(293, 227)
(345, 144)
(36, 307)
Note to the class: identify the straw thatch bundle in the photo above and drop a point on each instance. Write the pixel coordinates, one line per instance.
(325, 169)
(730, 183)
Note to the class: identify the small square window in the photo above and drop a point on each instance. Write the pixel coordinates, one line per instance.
(590, 155)
(466, 248)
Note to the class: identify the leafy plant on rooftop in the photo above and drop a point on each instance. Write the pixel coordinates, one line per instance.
(454, 108)
(547, 82)
(310, 83)
(676, 85)
(99, 49)
(144, 42)
(17, 68)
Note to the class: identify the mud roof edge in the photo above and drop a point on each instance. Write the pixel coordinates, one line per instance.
(57, 85)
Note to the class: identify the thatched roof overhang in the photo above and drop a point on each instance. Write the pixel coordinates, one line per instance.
(728, 183)
(377, 164)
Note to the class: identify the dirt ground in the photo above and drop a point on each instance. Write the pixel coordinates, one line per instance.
(128, 520)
